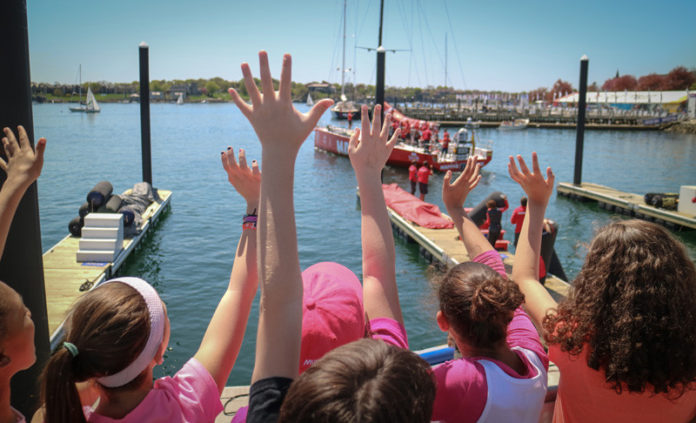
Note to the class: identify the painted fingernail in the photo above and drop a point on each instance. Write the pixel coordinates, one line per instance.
(229, 148)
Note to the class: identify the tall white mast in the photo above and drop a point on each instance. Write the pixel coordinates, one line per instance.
(79, 87)
(446, 59)
(343, 65)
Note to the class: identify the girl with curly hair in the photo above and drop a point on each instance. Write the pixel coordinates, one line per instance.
(502, 374)
(624, 339)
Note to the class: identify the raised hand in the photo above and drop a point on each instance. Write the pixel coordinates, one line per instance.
(537, 188)
(454, 195)
(23, 165)
(368, 148)
(247, 181)
(279, 126)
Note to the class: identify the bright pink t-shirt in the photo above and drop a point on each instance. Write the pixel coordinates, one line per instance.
(190, 396)
(584, 396)
(462, 390)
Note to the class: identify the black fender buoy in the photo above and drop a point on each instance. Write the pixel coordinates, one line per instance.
(99, 195)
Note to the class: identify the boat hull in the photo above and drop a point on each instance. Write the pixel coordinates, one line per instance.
(335, 140)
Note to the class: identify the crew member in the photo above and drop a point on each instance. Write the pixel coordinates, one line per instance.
(424, 173)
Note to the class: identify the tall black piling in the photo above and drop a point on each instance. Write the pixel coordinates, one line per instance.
(21, 266)
(145, 112)
(381, 61)
(580, 139)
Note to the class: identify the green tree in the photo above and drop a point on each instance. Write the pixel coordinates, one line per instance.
(211, 87)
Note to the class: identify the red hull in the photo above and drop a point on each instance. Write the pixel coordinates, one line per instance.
(337, 142)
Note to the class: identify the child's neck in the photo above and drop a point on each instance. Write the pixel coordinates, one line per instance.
(119, 405)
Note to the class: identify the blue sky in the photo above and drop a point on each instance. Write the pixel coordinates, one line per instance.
(508, 45)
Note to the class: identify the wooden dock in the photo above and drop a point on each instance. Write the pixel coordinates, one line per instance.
(65, 279)
(626, 203)
(444, 247)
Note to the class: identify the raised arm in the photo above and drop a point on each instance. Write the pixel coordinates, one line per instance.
(23, 167)
(223, 338)
(368, 151)
(526, 268)
(454, 195)
(281, 129)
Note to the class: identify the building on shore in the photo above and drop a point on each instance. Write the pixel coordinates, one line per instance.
(670, 101)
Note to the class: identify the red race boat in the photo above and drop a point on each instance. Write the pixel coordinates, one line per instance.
(463, 144)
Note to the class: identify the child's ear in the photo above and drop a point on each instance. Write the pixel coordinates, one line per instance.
(442, 322)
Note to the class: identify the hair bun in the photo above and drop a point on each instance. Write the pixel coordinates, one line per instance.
(494, 299)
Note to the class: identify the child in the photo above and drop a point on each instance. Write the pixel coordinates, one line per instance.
(502, 374)
(22, 168)
(118, 332)
(518, 218)
(280, 317)
(623, 339)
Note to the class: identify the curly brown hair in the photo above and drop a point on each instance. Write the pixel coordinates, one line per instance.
(633, 306)
(478, 303)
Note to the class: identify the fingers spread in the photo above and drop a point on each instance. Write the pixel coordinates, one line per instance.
(394, 139)
(242, 159)
(446, 179)
(376, 120)
(285, 87)
(250, 85)
(266, 81)
(241, 104)
(319, 108)
(535, 164)
(364, 120)
(523, 165)
(353, 142)
(3, 165)
(386, 126)
(255, 168)
(23, 138)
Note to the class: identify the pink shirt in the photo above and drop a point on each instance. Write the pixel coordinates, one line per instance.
(190, 396)
(584, 396)
(462, 390)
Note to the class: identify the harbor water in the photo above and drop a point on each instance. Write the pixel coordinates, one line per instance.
(188, 257)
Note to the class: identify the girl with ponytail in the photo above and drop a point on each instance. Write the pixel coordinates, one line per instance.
(118, 332)
(502, 373)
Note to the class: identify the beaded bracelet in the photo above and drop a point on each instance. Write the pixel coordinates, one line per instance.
(249, 221)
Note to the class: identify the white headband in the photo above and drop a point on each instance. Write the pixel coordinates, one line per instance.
(154, 307)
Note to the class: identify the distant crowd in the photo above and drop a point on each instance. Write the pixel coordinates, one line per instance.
(333, 348)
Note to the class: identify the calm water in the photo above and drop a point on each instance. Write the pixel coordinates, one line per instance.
(190, 254)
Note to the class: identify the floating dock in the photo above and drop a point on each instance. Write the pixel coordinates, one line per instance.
(66, 280)
(626, 203)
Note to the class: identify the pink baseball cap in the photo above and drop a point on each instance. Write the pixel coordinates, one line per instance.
(332, 310)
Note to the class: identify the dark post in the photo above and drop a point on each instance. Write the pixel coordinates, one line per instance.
(381, 60)
(145, 112)
(580, 139)
(21, 266)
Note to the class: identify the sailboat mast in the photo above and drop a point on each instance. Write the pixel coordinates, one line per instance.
(343, 65)
(445, 60)
(79, 87)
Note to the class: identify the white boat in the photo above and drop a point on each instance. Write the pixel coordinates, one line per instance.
(310, 102)
(180, 100)
(514, 124)
(91, 106)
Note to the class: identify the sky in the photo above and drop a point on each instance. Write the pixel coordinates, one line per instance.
(506, 45)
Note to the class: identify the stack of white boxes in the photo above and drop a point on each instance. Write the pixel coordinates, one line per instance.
(102, 237)
(687, 199)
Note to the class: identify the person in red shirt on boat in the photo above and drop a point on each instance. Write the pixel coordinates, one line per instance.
(405, 129)
(424, 173)
(445, 141)
(350, 120)
(412, 176)
(426, 136)
(518, 217)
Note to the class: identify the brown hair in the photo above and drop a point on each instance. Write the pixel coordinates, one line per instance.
(109, 326)
(365, 381)
(5, 310)
(491, 204)
(478, 303)
(523, 201)
(633, 306)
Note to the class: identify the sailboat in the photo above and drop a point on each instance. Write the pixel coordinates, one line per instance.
(344, 108)
(180, 100)
(310, 102)
(91, 106)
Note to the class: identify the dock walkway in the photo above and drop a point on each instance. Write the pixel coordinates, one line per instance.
(66, 280)
(626, 203)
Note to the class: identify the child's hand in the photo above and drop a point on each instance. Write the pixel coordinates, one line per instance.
(246, 181)
(454, 195)
(280, 127)
(368, 148)
(23, 165)
(533, 183)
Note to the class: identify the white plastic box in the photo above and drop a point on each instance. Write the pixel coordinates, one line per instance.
(687, 200)
(103, 220)
(102, 237)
